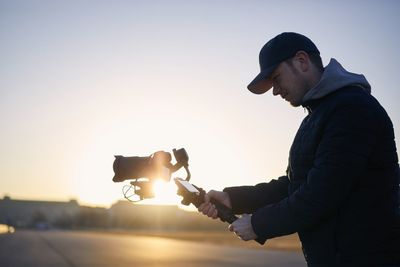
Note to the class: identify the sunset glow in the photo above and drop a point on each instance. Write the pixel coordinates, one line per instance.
(165, 193)
(82, 81)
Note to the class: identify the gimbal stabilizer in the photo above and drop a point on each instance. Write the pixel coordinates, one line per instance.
(145, 170)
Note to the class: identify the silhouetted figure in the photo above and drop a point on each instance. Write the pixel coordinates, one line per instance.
(340, 192)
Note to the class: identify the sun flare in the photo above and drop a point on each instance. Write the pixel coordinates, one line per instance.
(165, 193)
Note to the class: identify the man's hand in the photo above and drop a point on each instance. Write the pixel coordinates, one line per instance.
(207, 208)
(242, 228)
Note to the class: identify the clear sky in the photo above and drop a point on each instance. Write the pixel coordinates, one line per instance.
(81, 81)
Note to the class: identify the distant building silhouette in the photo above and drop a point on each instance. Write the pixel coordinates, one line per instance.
(121, 215)
(24, 213)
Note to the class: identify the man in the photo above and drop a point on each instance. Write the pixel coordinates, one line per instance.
(340, 191)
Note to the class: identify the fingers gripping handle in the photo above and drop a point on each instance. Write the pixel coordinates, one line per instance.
(224, 213)
(195, 195)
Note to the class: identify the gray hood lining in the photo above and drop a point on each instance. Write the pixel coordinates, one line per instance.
(334, 78)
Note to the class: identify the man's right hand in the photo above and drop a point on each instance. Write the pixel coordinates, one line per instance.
(209, 209)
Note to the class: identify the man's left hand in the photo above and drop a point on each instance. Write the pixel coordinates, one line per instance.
(242, 228)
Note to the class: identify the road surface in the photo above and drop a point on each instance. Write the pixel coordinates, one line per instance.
(89, 249)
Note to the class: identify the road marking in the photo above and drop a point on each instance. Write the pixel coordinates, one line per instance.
(57, 251)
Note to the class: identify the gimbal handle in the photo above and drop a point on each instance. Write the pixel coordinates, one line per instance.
(225, 214)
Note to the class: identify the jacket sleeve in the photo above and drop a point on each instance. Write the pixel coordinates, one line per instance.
(341, 158)
(247, 199)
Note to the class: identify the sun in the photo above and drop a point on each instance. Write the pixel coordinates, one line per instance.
(164, 193)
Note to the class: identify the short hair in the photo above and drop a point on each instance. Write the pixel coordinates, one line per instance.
(315, 59)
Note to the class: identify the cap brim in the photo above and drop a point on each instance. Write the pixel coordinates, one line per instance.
(261, 83)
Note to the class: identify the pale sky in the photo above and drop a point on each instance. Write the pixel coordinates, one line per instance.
(82, 81)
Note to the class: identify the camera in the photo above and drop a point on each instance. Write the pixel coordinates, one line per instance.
(143, 171)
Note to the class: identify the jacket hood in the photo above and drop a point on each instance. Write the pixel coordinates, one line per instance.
(334, 78)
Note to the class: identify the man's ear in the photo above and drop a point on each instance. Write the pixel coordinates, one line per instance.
(302, 60)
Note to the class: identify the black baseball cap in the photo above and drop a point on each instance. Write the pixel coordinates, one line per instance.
(278, 49)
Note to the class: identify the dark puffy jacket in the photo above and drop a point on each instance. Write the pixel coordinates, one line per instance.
(340, 193)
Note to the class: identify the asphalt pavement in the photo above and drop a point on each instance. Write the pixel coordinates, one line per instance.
(89, 249)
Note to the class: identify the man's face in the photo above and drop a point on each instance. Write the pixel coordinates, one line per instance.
(289, 83)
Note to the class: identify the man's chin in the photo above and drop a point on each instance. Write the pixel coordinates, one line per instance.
(294, 104)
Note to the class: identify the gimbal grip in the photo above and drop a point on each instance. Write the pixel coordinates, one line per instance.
(224, 213)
